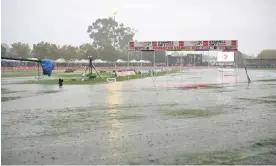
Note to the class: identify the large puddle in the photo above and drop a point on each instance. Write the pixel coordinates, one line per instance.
(128, 123)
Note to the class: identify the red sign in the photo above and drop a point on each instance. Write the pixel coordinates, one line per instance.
(168, 48)
(131, 44)
(205, 43)
(154, 44)
(125, 73)
(234, 42)
(181, 43)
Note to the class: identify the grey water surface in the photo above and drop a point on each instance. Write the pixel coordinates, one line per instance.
(128, 123)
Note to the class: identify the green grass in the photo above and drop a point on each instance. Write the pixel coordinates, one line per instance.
(268, 80)
(3, 99)
(69, 117)
(5, 91)
(48, 91)
(262, 152)
(18, 73)
(263, 69)
(126, 117)
(270, 97)
(60, 73)
(77, 81)
(191, 113)
(267, 100)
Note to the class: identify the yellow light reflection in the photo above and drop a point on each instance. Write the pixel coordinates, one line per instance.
(115, 127)
(113, 95)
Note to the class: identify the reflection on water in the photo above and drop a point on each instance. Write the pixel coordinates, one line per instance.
(227, 78)
(127, 123)
(115, 127)
(113, 95)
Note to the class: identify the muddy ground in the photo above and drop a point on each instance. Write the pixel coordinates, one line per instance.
(128, 123)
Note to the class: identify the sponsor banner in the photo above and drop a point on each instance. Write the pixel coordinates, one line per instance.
(158, 70)
(202, 45)
(144, 71)
(125, 73)
(154, 70)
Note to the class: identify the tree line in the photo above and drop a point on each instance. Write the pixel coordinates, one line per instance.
(109, 42)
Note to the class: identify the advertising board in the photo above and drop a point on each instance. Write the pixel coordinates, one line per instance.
(200, 45)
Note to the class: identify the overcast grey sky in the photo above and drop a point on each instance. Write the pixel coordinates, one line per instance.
(252, 22)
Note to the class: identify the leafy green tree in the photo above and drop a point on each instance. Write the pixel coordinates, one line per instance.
(86, 50)
(45, 50)
(3, 50)
(20, 50)
(111, 37)
(69, 52)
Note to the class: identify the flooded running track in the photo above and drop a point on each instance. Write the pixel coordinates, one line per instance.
(128, 123)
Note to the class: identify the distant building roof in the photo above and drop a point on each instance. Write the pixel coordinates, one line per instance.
(267, 54)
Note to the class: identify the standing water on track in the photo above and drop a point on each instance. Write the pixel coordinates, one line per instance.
(127, 123)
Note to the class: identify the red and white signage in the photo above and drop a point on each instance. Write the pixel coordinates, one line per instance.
(201, 45)
(125, 73)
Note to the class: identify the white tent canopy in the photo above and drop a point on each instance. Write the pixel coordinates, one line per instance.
(143, 61)
(140, 61)
(76, 61)
(60, 60)
(99, 61)
(33, 58)
(120, 61)
(134, 61)
(84, 61)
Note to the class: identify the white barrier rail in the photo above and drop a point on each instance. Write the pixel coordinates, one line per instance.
(111, 80)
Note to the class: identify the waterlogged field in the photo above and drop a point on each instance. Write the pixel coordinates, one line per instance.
(227, 122)
(75, 78)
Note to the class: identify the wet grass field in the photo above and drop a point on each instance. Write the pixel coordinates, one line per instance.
(229, 122)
